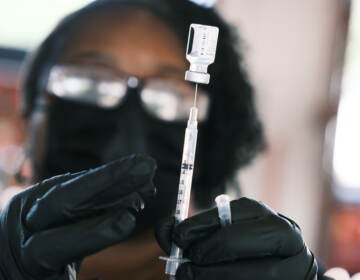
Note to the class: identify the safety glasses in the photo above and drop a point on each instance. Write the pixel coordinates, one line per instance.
(165, 99)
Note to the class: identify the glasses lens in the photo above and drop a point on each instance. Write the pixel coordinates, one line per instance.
(171, 100)
(91, 86)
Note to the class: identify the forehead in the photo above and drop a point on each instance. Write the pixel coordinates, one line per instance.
(135, 42)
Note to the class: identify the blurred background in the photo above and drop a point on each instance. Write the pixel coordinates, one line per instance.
(304, 61)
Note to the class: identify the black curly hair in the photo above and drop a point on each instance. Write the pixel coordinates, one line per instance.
(233, 134)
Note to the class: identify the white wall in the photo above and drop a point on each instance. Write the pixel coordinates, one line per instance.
(289, 51)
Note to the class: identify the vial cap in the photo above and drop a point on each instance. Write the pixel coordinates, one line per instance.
(197, 77)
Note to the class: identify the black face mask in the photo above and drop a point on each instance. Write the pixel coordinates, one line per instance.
(79, 137)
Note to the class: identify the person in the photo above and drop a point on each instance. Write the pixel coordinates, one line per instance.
(106, 107)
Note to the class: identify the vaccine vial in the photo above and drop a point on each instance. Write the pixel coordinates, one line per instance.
(200, 52)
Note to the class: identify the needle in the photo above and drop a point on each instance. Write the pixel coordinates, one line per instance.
(196, 89)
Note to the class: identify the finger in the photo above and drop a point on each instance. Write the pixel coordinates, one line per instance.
(109, 198)
(96, 189)
(49, 251)
(163, 233)
(299, 267)
(26, 199)
(201, 225)
(256, 238)
(39, 189)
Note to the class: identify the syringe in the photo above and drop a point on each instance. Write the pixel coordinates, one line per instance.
(200, 52)
(183, 198)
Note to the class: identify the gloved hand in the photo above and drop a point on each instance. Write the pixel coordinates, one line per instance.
(259, 245)
(50, 226)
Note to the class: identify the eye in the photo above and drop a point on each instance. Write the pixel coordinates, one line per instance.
(86, 85)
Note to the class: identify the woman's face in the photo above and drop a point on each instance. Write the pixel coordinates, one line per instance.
(81, 136)
(116, 45)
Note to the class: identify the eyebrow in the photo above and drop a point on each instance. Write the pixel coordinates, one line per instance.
(97, 57)
(166, 69)
(102, 58)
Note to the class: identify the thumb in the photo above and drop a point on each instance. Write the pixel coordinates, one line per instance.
(163, 233)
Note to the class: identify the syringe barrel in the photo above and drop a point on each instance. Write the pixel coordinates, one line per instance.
(183, 198)
(187, 167)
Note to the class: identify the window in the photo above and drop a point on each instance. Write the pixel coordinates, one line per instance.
(24, 23)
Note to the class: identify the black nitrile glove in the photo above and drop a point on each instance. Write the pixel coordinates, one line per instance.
(259, 245)
(49, 227)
